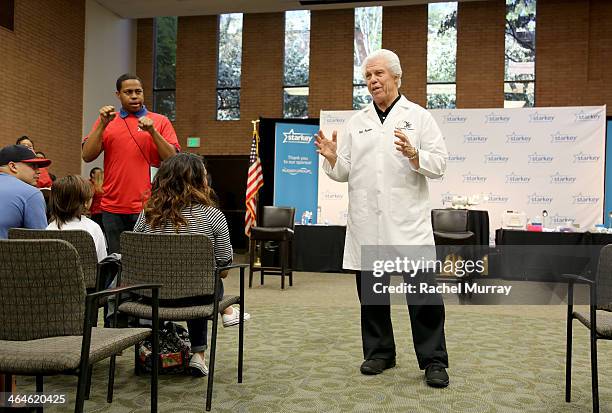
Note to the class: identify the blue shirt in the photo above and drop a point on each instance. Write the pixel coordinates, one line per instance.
(21, 205)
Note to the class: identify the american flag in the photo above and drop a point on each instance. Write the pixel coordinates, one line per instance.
(254, 182)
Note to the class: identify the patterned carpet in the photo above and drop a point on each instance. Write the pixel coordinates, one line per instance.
(303, 351)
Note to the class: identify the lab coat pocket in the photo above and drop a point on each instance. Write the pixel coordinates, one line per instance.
(404, 206)
(358, 201)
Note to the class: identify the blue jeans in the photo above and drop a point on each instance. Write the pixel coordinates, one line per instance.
(114, 225)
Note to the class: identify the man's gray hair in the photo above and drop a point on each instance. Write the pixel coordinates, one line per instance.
(393, 63)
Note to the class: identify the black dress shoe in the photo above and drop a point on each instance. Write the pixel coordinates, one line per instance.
(376, 366)
(436, 376)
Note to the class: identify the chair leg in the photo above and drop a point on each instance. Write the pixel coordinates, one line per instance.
(211, 366)
(283, 260)
(261, 281)
(111, 379)
(89, 374)
(594, 378)
(136, 368)
(568, 358)
(81, 390)
(290, 262)
(155, 364)
(39, 389)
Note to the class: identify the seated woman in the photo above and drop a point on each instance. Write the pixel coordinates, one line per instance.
(181, 202)
(70, 199)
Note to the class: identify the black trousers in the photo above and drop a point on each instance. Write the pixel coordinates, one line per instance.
(426, 319)
(114, 225)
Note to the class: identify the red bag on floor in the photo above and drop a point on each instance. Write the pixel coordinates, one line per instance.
(174, 348)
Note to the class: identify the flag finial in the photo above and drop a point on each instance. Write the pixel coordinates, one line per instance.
(255, 122)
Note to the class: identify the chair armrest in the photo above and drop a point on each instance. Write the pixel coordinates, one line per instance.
(89, 314)
(117, 290)
(229, 267)
(573, 278)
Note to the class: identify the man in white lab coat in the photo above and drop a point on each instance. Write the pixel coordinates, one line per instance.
(385, 154)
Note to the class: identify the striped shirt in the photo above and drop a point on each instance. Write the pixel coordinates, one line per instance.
(200, 219)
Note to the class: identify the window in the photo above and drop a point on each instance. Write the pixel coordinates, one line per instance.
(441, 55)
(229, 66)
(164, 72)
(368, 38)
(296, 66)
(519, 75)
(7, 14)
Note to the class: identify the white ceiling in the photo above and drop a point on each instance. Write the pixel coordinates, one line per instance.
(136, 9)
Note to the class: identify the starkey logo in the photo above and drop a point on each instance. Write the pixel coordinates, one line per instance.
(517, 138)
(539, 158)
(561, 219)
(332, 196)
(541, 117)
(581, 199)
(474, 138)
(558, 178)
(456, 158)
(583, 116)
(562, 138)
(539, 199)
(517, 179)
(582, 157)
(497, 198)
(470, 178)
(333, 120)
(297, 137)
(496, 118)
(454, 118)
(495, 158)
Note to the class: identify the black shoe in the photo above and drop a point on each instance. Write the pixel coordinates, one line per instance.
(436, 376)
(376, 366)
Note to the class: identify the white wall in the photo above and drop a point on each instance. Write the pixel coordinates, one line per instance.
(110, 51)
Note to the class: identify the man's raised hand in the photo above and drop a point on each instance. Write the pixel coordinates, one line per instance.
(327, 147)
(107, 113)
(146, 124)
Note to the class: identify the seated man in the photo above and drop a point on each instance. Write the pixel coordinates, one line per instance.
(21, 203)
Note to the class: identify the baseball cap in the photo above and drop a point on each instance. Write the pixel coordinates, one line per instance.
(20, 153)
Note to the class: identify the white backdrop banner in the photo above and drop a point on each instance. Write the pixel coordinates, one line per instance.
(333, 196)
(526, 160)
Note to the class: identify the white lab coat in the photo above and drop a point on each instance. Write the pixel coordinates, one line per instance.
(388, 198)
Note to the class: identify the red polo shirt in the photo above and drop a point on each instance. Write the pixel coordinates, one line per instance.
(129, 152)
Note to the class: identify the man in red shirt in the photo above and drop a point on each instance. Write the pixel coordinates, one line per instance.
(133, 142)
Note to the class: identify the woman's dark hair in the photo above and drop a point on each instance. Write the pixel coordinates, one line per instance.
(69, 196)
(180, 182)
